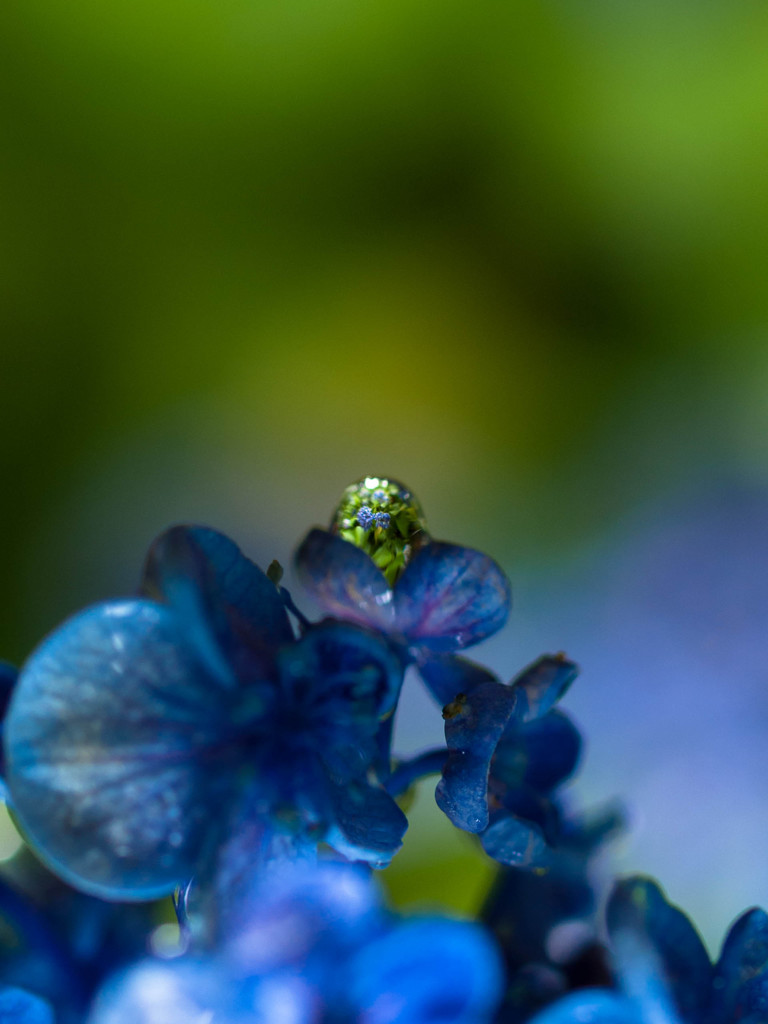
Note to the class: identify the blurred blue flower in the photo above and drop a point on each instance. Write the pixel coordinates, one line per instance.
(188, 732)
(507, 753)
(317, 947)
(665, 971)
(61, 945)
(734, 989)
(546, 921)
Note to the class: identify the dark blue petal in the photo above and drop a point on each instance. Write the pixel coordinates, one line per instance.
(740, 989)
(344, 580)
(513, 841)
(543, 683)
(592, 1007)
(205, 576)
(552, 746)
(114, 743)
(447, 675)
(427, 972)
(19, 1007)
(638, 906)
(473, 727)
(369, 826)
(450, 597)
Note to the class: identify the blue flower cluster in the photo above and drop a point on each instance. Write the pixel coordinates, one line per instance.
(203, 739)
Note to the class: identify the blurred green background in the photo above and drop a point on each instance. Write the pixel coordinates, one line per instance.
(513, 253)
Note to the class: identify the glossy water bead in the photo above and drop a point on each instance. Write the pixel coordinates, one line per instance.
(383, 518)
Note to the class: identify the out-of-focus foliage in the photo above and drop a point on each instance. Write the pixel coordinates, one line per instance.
(514, 253)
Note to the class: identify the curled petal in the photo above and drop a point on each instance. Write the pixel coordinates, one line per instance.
(543, 683)
(638, 906)
(741, 975)
(450, 597)
(114, 744)
(344, 580)
(427, 972)
(473, 728)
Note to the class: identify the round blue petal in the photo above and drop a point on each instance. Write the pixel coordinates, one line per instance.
(447, 675)
(427, 972)
(115, 743)
(638, 905)
(740, 989)
(19, 1007)
(474, 724)
(344, 580)
(450, 597)
(592, 1007)
(542, 684)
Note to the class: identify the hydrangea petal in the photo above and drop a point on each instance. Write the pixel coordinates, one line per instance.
(638, 906)
(552, 746)
(427, 972)
(447, 676)
(473, 728)
(450, 597)
(509, 840)
(591, 1007)
(543, 683)
(344, 580)
(114, 742)
(740, 989)
(369, 826)
(19, 1007)
(205, 576)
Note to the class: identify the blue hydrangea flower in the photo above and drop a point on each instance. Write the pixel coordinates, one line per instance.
(546, 921)
(446, 599)
(59, 944)
(734, 989)
(318, 948)
(666, 974)
(507, 752)
(146, 736)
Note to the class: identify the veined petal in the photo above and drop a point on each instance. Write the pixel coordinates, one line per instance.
(473, 728)
(740, 989)
(427, 972)
(447, 676)
(115, 740)
(205, 576)
(543, 683)
(344, 580)
(369, 826)
(450, 597)
(638, 906)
